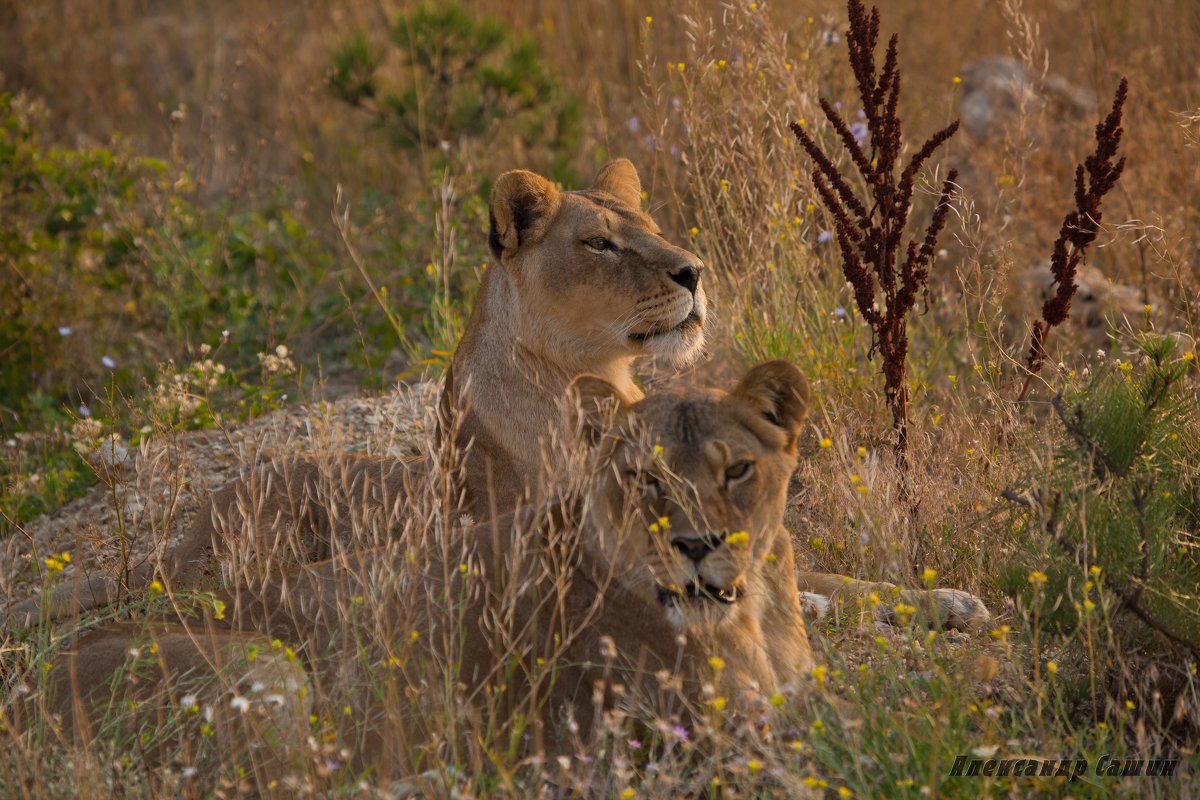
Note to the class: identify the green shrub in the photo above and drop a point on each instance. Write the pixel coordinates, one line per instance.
(1111, 524)
(464, 79)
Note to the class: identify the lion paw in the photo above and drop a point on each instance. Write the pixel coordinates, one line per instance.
(814, 606)
(961, 610)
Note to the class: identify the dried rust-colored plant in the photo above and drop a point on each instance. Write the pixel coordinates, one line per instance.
(870, 233)
(1079, 229)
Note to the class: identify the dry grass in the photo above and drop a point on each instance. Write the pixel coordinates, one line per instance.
(712, 89)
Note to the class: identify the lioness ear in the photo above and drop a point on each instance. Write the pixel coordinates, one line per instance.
(620, 179)
(523, 204)
(779, 392)
(593, 405)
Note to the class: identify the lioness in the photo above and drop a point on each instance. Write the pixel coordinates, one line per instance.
(578, 282)
(672, 552)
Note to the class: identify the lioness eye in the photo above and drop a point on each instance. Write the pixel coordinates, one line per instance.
(737, 471)
(599, 243)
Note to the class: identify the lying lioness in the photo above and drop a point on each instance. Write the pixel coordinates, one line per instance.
(578, 282)
(672, 552)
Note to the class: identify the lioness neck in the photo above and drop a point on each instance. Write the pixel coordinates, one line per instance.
(511, 386)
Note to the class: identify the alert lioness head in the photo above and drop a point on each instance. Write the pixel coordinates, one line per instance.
(592, 277)
(578, 282)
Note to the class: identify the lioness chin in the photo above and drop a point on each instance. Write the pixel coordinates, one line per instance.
(578, 282)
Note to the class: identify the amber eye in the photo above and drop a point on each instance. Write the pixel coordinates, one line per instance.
(599, 243)
(738, 470)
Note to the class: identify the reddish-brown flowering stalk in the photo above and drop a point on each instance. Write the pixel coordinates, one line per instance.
(886, 276)
(1079, 229)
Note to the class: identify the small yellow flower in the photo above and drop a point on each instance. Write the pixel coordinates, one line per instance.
(777, 699)
(462, 569)
(251, 652)
(414, 636)
(1095, 571)
(862, 452)
(1130, 705)
(653, 527)
(815, 783)
(722, 64)
(1002, 633)
(219, 609)
(754, 765)
(770, 558)
(665, 523)
(693, 230)
(724, 185)
(819, 672)
(53, 564)
(154, 649)
(717, 663)
(1037, 578)
(928, 576)
(64, 557)
(679, 66)
(956, 80)
(844, 792)
(718, 703)
(826, 443)
(628, 794)
(1088, 606)
(156, 587)
(649, 20)
(1189, 356)
(658, 450)
(738, 539)
(854, 478)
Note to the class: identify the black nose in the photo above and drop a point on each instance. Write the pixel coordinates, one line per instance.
(688, 276)
(696, 547)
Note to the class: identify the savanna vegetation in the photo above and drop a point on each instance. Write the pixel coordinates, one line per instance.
(230, 230)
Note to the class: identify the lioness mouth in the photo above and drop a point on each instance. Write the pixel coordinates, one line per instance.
(725, 595)
(690, 322)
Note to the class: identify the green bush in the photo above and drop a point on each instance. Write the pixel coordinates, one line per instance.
(1111, 525)
(464, 79)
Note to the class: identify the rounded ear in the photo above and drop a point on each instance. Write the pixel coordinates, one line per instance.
(779, 392)
(620, 179)
(593, 405)
(523, 204)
